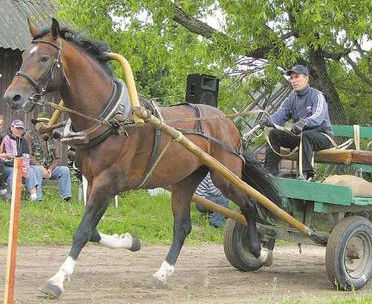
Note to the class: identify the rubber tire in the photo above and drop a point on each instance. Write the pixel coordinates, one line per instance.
(336, 246)
(236, 247)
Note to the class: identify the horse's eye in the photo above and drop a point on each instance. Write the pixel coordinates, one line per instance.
(44, 58)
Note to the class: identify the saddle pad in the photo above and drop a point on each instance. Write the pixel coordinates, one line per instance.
(358, 185)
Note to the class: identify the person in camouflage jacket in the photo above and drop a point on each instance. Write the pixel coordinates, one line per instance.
(46, 155)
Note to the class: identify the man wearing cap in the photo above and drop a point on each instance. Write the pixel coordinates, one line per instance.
(3, 157)
(308, 109)
(46, 157)
(13, 144)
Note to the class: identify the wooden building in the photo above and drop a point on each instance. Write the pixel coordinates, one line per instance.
(14, 38)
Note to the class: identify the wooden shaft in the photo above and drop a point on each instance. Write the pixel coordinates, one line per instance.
(57, 113)
(214, 164)
(220, 209)
(129, 79)
(52, 121)
(13, 231)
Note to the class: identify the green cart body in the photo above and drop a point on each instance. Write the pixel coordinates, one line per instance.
(349, 246)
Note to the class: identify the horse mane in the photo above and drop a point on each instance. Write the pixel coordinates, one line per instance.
(95, 49)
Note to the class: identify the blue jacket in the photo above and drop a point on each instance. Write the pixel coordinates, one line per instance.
(308, 104)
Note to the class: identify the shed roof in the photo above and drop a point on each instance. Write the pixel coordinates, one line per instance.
(14, 32)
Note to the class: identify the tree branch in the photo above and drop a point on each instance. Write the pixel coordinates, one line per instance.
(359, 48)
(194, 25)
(198, 27)
(288, 35)
(358, 72)
(353, 89)
(338, 55)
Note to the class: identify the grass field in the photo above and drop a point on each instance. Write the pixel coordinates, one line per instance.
(54, 221)
(354, 300)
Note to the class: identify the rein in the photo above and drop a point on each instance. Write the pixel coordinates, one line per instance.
(68, 110)
(169, 121)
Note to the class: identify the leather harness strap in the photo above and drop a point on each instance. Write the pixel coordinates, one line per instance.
(157, 137)
(118, 103)
(200, 132)
(155, 158)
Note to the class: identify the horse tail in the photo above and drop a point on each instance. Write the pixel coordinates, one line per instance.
(255, 175)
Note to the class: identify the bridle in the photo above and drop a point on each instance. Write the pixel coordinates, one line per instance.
(41, 87)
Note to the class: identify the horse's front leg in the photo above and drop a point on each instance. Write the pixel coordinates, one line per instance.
(126, 240)
(95, 208)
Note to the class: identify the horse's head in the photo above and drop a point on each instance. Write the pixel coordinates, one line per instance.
(40, 71)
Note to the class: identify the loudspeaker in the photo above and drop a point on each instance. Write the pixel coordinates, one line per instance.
(202, 88)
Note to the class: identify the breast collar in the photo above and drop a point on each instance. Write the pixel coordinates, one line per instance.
(118, 106)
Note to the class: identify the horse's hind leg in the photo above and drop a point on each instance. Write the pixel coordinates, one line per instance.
(262, 254)
(247, 206)
(181, 198)
(95, 208)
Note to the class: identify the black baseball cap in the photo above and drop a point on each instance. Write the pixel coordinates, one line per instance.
(299, 69)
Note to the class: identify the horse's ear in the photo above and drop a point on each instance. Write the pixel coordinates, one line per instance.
(33, 30)
(55, 28)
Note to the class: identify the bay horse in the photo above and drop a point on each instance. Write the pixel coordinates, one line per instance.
(59, 59)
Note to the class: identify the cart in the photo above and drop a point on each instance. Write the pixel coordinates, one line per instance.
(349, 247)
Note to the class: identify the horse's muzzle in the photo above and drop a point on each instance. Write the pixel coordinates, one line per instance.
(18, 101)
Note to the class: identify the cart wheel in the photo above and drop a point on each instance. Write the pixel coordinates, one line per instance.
(349, 253)
(236, 247)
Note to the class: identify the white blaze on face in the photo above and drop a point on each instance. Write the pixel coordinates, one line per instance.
(164, 271)
(34, 49)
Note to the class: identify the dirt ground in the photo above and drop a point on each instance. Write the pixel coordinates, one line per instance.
(202, 275)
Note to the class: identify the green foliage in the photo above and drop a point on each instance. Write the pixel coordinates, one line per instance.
(162, 52)
(357, 101)
(54, 221)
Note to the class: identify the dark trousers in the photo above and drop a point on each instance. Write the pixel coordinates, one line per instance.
(311, 141)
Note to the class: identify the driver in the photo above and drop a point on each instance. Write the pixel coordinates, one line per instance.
(308, 109)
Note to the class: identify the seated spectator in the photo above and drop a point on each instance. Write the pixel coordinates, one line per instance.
(208, 190)
(46, 157)
(3, 157)
(13, 144)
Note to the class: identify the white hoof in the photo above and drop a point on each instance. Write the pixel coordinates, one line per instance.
(163, 273)
(127, 241)
(266, 257)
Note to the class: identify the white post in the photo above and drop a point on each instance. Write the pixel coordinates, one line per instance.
(85, 189)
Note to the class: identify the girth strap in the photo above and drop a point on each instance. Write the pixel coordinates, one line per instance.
(156, 146)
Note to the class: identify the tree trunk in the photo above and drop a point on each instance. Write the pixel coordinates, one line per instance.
(321, 81)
